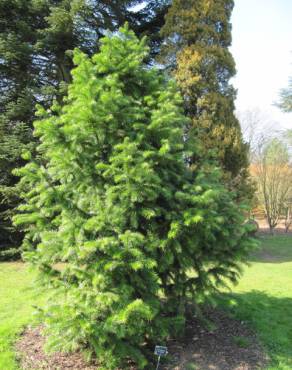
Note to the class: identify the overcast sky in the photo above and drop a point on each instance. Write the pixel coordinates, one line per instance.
(262, 48)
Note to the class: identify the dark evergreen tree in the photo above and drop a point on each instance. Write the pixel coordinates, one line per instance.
(36, 38)
(115, 200)
(18, 24)
(197, 40)
(286, 98)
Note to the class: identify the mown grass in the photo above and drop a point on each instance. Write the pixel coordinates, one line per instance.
(16, 307)
(263, 298)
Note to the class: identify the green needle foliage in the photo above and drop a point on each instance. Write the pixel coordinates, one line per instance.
(36, 41)
(197, 40)
(286, 98)
(139, 232)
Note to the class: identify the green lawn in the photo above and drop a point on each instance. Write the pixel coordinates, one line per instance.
(263, 298)
(16, 300)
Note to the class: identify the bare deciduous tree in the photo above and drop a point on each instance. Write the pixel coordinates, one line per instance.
(257, 128)
(273, 174)
(288, 214)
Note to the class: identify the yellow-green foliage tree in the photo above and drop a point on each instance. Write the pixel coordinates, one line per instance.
(197, 37)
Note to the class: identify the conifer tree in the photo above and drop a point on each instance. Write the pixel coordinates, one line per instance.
(286, 98)
(198, 36)
(118, 204)
(18, 22)
(36, 38)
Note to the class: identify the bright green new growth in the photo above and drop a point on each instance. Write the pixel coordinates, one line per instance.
(139, 231)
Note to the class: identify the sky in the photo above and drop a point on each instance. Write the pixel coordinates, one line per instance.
(262, 48)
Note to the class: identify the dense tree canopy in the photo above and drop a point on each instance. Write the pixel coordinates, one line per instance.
(198, 37)
(113, 197)
(36, 41)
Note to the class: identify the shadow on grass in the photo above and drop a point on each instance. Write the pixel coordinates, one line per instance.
(269, 317)
(273, 249)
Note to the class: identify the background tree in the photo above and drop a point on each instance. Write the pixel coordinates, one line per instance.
(286, 98)
(273, 174)
(288, 212)
(197, 37)
(18, 24)
(257, 127)
(35, 63)
(114, 197)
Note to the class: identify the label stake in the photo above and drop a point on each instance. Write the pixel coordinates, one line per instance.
(160, 351)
